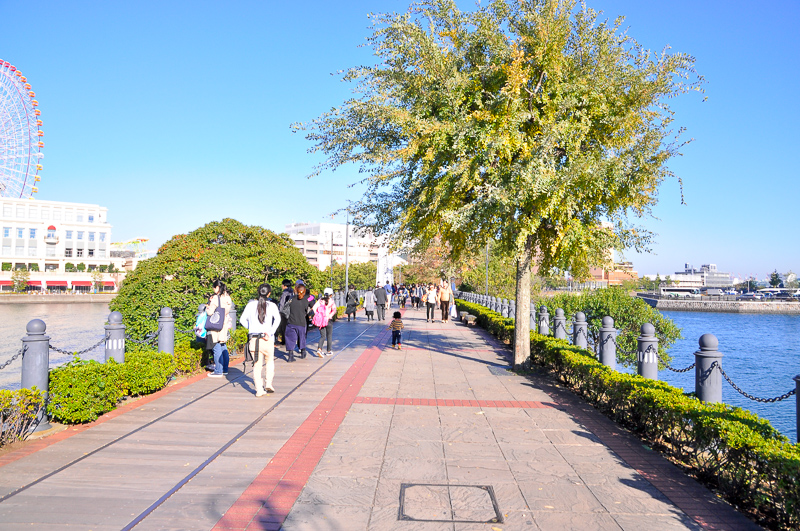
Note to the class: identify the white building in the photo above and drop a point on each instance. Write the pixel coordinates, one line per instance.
(52, 239)
(319, 242)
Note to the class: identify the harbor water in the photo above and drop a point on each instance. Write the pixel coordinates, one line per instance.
(71, 327)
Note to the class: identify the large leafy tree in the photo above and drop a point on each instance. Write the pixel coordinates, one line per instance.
(361, 275)
(180, 275)
(529, 122)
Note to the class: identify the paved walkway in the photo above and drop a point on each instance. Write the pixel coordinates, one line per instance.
(435, 436)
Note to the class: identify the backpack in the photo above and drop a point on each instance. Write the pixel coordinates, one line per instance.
(320, 319)
(200, 324)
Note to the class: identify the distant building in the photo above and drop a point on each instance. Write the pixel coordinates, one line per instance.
(321, 242)
(619, 273)
(706, 276)
(50, 237)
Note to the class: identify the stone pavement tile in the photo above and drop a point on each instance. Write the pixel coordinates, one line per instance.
(366, 448)
(415, 470)
(627, 500)
(467, 434)
(560, 496)
(568, 521)
(371, 433)
(520, 436)
(386, 519)
(354, 466)
(573, 436)
(478, 471)
(466, 450)
(677, 521)
(318, 517)
(333, 490)
(512, 521)
(415, 449)
(388, 492)
(530, 451)
(416, 412)
(533, 470)
(508, 496)
(588, 454)
(428, 433)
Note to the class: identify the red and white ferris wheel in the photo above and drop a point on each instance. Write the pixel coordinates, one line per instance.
(21, 135)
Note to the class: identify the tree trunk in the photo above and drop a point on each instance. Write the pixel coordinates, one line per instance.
(522, 324)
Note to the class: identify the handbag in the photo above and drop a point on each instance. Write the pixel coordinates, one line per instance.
(286, 310)
(216, 321)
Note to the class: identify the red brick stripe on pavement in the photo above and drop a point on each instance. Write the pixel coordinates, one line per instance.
(35, 446)
(451, 403)
(269, 498)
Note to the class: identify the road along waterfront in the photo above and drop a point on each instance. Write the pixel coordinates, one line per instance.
(71, 327)
(761, 355)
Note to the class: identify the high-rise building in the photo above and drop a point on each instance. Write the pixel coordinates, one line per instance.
(321, 243)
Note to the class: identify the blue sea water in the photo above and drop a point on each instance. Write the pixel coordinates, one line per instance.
(760, 354)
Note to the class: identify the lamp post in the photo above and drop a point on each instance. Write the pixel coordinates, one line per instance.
(487, 268)
(346, 256)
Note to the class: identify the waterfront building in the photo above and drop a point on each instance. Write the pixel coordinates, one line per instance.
(320, 243)
(707, 276)
(614, 276)
(61, 245)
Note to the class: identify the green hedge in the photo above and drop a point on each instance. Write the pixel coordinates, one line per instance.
(18, 412)
(82, 390)
(730, 449)
(147, 372)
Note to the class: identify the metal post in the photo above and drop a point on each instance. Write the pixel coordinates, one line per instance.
(580, 329)
(647, 352)
(797, 407)
(115, 338)
(707, 376)
(608, 345)
(36, 364)
(544, 321)
(560, 325)
(512, 309)
(504, 308)
(166, 336)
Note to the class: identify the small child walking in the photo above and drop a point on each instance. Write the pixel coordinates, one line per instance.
(396, 326)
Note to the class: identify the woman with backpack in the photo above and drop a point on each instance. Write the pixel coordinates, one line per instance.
(324, 310)
(261, 318)
(296, 311)
(219, 311)
(352, 303)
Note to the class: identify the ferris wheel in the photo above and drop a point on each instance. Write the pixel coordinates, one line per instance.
(20, 135)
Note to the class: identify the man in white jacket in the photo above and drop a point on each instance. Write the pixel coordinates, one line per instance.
(261, 318)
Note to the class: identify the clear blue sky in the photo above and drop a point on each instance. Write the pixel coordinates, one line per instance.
(172, 114)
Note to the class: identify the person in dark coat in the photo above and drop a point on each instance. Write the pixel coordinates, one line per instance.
(286, 295)
(352, 302)
(381, 299)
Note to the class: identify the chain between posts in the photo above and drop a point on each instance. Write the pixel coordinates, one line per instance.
(748, 395)
(147, 339)
(84, 351)
(14, 357)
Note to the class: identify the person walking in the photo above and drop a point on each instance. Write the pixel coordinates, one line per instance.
(262, 319)
(297, 321)
(445, 295)
(351, 302)
(431, 297)
(216, 340)
(286, 294)
(324, 310)
(381, 298)
(369, 305)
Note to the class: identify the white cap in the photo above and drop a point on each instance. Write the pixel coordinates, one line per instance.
(328, 291)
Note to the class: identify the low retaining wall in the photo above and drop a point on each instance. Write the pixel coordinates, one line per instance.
(724, 306)
(55, 298)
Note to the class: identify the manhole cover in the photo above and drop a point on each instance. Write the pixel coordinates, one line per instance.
(426, 502)
(499, 370)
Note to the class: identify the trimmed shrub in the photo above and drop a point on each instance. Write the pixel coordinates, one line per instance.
(147, 372)
(82, 390)
(18, 412)
(188, 356)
